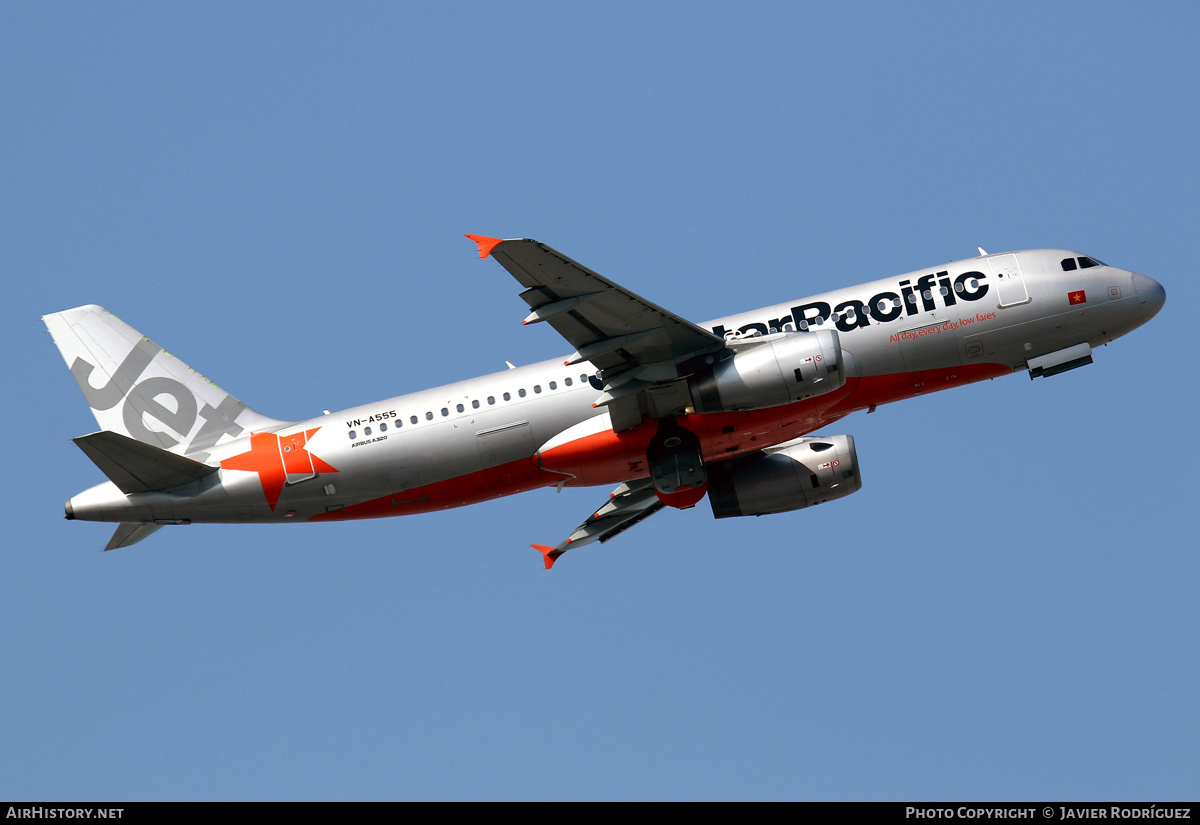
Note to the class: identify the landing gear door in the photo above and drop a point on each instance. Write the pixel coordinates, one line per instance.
(1010, 285)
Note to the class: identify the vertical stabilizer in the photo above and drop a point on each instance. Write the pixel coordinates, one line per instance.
(139, 390)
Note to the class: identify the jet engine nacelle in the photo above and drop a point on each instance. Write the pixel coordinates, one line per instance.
(801, 473)
(792, 367)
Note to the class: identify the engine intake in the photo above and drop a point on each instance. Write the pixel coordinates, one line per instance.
(809, 471)
(792, 367)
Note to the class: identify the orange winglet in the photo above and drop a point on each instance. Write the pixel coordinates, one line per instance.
(486, 245)
(547, 553)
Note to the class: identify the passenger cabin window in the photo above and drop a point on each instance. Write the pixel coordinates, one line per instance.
(508, 396)
(459, 408)
(428, 416)
(475, 405)
(383, 428)
(412, 419)
(537, 387)
(553, 385)
(1068, 264)
(445, 412)
(491, 399)
(521, 392)
(353, 435)
(567, 382)
(366, 430)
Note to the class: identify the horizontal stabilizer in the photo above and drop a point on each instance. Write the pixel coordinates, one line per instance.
(130, 532)
(137, 467)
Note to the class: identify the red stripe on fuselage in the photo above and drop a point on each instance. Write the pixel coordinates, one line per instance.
(612, 458)
(472, 488)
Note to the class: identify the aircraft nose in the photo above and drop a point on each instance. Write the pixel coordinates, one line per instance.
(1151, 293)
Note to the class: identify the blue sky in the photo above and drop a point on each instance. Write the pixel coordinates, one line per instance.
(277, 193)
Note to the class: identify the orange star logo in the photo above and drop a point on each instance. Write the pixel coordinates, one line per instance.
(275, 458)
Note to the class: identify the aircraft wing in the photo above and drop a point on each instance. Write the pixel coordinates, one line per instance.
(637, 345)
(626, 506)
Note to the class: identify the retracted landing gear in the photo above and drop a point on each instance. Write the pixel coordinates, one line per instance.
(676, 465)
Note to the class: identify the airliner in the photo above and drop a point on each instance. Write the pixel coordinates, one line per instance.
(663, 410)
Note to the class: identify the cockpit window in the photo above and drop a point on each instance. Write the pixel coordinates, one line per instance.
(1084, 262)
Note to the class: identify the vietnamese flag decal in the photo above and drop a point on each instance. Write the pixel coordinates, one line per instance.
(1079, 297)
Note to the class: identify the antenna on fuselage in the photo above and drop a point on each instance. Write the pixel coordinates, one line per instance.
(982, 252)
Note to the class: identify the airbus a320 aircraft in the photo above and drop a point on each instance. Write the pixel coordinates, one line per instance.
(664, 409)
